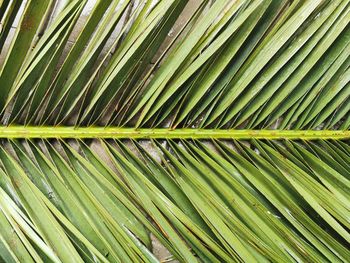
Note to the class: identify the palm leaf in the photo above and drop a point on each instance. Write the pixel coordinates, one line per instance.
(218, 130)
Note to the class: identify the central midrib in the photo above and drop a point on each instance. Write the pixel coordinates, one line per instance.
(27, 132)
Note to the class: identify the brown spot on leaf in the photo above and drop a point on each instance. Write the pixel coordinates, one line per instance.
(17, 183)
(27, 23)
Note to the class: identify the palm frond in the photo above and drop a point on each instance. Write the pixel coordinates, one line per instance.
(218, 130)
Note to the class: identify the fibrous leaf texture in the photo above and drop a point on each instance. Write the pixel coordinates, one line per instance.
(216, 130)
